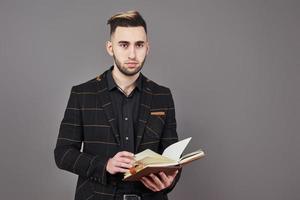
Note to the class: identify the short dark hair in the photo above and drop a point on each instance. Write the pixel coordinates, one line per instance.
(126, 19)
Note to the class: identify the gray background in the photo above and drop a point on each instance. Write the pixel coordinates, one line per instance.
(233, 67)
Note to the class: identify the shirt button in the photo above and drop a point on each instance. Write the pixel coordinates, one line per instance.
(126, 138)
(126, 118)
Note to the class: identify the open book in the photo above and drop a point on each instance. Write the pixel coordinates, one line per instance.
(148, 161)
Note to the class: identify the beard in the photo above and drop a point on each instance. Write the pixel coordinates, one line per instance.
(125, 71)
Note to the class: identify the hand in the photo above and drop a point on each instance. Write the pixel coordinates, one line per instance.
(121, 162)
(158, 182)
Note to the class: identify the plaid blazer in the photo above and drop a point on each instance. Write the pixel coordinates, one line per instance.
(88, 134)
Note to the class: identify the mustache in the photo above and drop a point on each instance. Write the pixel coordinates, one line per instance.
(132, 62)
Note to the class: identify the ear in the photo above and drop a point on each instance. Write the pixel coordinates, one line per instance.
(109, 48)
(148, 48)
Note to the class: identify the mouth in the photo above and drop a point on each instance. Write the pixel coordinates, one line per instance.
(131, 64)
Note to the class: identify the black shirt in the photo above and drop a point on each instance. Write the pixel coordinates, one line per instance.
(126, 111)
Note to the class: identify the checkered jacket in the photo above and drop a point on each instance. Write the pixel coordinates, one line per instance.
(88, 134)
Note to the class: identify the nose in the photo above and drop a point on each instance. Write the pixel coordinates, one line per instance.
(132, 53)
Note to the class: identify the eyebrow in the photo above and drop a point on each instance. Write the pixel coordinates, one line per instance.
(123, 42)
(140, 42)
(126, 42)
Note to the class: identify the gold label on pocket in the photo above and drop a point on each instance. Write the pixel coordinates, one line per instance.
(158, 113)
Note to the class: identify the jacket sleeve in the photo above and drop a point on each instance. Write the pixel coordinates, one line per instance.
(169, 135)
(67, 153)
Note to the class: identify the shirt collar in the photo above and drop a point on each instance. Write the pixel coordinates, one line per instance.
(112, 84)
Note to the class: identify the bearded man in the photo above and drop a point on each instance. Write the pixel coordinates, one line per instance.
(114, 116)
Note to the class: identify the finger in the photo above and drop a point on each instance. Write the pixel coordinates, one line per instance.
(116, 163)
(163, 176)
(158, 183)
(124, 160)
(149, 184)
(165, 179)
(173, 175)
(125, 154)
(119, 169)
(123, 165)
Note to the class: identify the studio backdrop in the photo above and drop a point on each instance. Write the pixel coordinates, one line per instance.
(233, 68)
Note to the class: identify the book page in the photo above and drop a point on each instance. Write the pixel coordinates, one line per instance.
(157, 160)
(175, 150)
(191, 157)
(199, 151)
(146, 153)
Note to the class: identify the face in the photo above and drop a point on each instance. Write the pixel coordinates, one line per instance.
(129, 47)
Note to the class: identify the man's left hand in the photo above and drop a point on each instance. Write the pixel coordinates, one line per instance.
(158, 182)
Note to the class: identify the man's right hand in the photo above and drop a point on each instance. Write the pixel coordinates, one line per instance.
(121, 162)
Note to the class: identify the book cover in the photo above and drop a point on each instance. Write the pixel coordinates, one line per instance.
(148, 161)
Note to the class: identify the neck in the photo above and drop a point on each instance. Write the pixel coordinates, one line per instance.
(126, 83)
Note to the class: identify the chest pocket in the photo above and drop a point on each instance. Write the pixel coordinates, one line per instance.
(155, 124)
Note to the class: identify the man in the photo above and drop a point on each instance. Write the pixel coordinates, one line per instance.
(115, 115)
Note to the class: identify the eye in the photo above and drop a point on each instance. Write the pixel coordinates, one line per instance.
(123, 45)
(140, 45)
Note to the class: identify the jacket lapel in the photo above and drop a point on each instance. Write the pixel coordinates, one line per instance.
(106, 104)
(144, 110)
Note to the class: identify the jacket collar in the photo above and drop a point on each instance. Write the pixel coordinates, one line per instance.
(111, 84)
